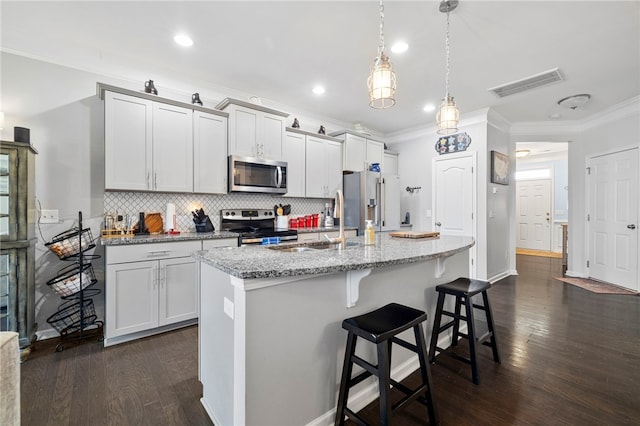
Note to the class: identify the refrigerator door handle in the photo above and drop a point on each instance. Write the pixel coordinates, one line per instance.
(383, 202)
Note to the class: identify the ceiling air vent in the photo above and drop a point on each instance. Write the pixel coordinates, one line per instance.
(541, 79)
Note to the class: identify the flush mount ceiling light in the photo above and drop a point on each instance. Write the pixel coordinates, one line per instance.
(183, 40)
(400, 47)
(522, 153)
(574, 101)
(318, 90)
(448, 115)
(382, 80)
(429, 108)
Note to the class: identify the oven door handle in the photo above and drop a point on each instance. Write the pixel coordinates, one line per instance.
(278, 177)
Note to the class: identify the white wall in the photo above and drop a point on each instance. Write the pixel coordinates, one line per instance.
(417, 149)
(66, 119)
(617, 128)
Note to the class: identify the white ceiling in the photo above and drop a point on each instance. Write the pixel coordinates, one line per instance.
(277, 50)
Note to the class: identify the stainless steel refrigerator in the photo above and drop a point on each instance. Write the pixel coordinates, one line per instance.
(371, 196)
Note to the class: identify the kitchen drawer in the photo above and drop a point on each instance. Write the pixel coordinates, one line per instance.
(141, 252)
(224, 242)
(305, 237)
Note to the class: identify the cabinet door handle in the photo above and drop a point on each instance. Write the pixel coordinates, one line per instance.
(148, 181)
(155, 180)
(157, 252)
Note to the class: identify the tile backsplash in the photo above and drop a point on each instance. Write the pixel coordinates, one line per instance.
(155, 202)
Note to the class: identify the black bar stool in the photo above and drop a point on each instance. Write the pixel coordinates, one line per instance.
(381, 327)
(464, 289)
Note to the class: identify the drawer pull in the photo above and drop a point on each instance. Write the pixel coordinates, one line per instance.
(158, 252)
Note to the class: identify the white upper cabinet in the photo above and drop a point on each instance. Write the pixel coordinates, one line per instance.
(148, 145)
(294, 153)
(128, 139)
(390, 163)
(209, 153)
(355, 152)
(323, 167)
(359, 152)
(254, 131)
(172, 148)
(157, 144)
(375, 152)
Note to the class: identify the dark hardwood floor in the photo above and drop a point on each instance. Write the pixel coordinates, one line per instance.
(569, 357)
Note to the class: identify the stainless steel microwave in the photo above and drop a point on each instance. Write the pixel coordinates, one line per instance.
(249, 174)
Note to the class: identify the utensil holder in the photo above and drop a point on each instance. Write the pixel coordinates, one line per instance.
(282, 222)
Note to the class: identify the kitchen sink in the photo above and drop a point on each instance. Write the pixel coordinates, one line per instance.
(312, 246)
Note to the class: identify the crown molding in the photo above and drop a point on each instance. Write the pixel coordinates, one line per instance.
(474, 117)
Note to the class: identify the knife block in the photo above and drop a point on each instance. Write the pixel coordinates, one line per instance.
(204, 225)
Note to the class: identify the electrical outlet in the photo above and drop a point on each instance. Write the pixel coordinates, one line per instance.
(50, 216)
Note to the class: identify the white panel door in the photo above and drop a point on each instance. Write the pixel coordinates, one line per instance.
(533, 209)
(453, 186)
(453, 198)
(613, 218)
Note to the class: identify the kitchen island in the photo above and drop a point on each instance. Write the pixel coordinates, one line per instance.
(271, 345)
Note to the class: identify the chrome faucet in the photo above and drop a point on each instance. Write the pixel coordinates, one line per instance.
(339, 201)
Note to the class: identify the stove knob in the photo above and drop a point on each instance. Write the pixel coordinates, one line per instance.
(226, 213)
(233, 213)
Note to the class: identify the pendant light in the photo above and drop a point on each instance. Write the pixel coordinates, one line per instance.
(382, 80)
(448, 114)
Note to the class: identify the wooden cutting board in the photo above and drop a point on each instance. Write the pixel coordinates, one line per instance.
(414, 234)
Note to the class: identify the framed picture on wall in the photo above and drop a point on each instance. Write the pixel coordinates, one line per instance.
(499, 168)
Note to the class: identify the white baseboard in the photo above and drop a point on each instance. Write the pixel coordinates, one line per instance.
(500, 276)
(576, 274)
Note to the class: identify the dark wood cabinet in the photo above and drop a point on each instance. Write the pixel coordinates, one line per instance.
(17, 240)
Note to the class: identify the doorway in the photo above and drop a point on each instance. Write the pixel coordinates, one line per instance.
(537, 162)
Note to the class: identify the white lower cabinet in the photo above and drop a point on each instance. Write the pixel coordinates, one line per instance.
(150, 287)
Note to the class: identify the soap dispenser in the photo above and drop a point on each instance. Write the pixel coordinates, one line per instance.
(369, 234)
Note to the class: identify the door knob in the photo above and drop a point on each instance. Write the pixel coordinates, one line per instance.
(632, 226)
(438, 224)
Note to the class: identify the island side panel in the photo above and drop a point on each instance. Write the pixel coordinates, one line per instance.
(216, 345)
(295, 342)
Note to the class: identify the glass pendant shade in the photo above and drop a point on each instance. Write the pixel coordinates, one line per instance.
(382, 84)
(447, 116)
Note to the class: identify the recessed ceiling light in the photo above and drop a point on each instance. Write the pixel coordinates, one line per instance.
(318, 90)
(399, 47)
(183, 40)
(555, 116)
(429, 108)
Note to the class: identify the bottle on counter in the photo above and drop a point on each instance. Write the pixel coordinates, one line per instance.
(328, 216)
(369, 234)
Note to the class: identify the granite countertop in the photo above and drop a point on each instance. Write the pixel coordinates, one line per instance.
(249, 262)
(164, 238)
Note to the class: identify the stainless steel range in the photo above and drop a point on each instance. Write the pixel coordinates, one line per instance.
(256, 226)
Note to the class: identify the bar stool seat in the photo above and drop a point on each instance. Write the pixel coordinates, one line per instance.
(464, 289)
(381, 328)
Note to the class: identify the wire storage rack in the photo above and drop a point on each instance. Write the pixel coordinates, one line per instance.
(76, 318)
